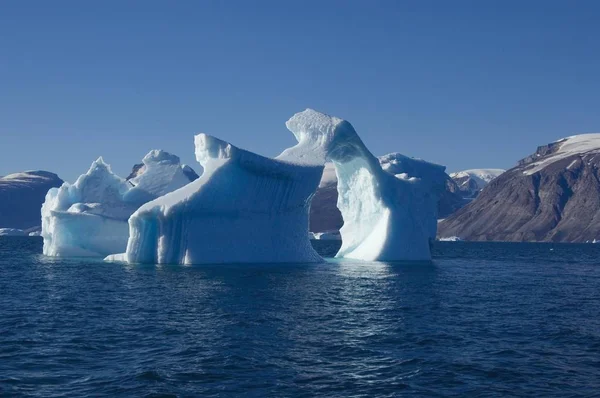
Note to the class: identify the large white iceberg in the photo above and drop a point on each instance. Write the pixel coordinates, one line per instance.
(248, 208)
(389, 212)
(244, 208)
(89, 217)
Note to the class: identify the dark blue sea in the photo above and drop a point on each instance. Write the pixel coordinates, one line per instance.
(484, 319)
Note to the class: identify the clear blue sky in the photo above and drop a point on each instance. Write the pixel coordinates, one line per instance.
(462, 83)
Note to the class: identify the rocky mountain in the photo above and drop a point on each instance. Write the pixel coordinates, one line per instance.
(325, 216)
(471, 182)
(21, 198)
(551, 195)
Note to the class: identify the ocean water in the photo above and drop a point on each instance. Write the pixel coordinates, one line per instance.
(481, 320)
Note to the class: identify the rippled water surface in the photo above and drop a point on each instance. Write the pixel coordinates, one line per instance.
(482, 320)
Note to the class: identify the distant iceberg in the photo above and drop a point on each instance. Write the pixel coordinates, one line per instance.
(89, 217)
(12, 232)
(248, 208)
(328, 235)
(450, 239)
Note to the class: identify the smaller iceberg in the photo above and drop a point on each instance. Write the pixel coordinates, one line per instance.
(89, 217)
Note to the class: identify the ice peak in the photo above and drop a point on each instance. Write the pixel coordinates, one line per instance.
(158, 155)
(321, 138)
(209, 147)
(310, 123)
(100, 165)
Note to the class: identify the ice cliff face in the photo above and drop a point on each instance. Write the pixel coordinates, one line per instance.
(551, 195)
(244, 208)
(21, 198)
(89, 217)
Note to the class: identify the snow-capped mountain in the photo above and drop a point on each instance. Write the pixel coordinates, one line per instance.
(551, 195)
(21, 198)
(471, 182)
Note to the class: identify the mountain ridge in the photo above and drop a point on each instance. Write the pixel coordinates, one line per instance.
(552, 195)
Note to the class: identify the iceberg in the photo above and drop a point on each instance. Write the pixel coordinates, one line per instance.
(248, 208)
(389, 211)
(89, 217)
(244, 208)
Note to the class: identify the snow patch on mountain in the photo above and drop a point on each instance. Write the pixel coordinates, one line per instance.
(481, 177)
(22, 195)
(581, 144)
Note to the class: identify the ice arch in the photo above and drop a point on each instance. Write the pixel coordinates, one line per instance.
(388, 215)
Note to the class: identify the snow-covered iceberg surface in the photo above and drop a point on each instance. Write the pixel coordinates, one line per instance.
(389, 214)
(244, 208)
(89, 217)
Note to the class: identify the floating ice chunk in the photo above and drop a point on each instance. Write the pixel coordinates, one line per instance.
(89, 217)
(450, 239)
(244, 208)
(328, 235)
